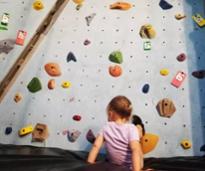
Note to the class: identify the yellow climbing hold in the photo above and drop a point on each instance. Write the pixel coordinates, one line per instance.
(186, 144)
(149, 142)
(38, 5)
(66, 84)
(78, 2)
(164, 72)
(26, 130)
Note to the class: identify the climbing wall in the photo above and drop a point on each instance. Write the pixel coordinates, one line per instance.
(92, 87)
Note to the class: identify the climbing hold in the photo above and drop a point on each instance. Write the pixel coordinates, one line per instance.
(180, 16)
(147, 31)
(38, 5)
(52, 69)
(4, 21)
(87, 42)
(115, 71)
(121, 6)
(145, 88)
(147, 45)
(71, 57)
(26, 130)
(89, 18)
(202, 148)
(181, 57)
(51, 84)
(8, 130)
(149, 142)
(199, 20)
(78, 7)
(66, 84)
(34, 85)
(164, 72)
(200, 74)
(77, 117)
(73, 135)
(186, 144)
(90, 136)
(21, 36)
(165, 5)
(17, 97)
(6, 45)
(178, 79)
(116, 57)
(166, 108)
(40, 133)
(78, 2)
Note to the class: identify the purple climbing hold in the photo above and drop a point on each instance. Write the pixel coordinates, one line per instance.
(90, 136)
(181, 57)
(73, 135)
(200, 74)
(71, 57)
(165, 5)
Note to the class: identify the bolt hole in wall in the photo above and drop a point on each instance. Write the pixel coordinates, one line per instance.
(92, 86)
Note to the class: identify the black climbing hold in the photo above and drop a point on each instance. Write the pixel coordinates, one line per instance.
(200, 74)
(202, 148)
(165, 5)
(145, 88)
(71, 57)
(8, 130)
(90, 136)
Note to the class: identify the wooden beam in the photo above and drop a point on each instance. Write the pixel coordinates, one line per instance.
(32, 45)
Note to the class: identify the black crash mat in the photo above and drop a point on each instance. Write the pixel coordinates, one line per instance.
(28, 158)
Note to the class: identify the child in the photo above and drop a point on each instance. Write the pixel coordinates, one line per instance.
(122, 140)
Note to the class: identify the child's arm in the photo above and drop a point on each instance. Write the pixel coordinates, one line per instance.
(137, 158)
(95, 149)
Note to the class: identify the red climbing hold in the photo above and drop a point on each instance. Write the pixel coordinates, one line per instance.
(77, 117)
(181, 57)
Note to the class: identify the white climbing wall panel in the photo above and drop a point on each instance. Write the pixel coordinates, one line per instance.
(92, 86)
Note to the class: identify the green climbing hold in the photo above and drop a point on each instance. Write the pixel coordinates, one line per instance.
(116, 57)
(34, 85)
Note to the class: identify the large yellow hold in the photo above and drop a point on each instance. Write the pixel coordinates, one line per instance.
(26, 130)
(149, 142)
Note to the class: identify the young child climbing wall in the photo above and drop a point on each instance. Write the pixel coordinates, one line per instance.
(150, 51)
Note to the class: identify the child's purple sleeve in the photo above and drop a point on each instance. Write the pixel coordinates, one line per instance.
(133, 133)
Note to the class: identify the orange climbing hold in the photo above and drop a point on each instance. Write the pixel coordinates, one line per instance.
(121, 6)
(51, 84)
(115, 71)
(149, 142)
(17, 97)
(40, 132)
(53, 69)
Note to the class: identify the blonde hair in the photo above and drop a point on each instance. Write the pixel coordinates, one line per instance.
(121, 105)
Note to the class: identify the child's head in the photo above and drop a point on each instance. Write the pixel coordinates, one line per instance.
(119, 107)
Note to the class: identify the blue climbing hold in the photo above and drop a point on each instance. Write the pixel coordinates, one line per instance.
(71, 57)
(8, 130)
(145, 88)
(165, 5)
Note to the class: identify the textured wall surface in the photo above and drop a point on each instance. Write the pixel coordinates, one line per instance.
(91, 85)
